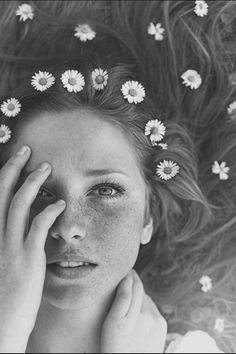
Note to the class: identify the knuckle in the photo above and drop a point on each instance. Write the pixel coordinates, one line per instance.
(17, 202)
(32, 178)
(37, 222)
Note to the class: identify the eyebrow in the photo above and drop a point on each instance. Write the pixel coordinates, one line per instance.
(88, 173)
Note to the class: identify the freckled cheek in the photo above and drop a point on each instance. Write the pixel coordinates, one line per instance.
(117, 234)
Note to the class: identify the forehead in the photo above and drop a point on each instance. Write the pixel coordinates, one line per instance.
(76, 140)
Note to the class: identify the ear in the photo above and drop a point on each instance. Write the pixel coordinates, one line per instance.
(147, 231)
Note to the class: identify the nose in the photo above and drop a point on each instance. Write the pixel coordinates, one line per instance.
(70, 226)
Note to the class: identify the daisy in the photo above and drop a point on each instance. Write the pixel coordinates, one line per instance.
(156, 30)
(41, 81)
(133, 91)
(11, 107)
(164, 146)
(73, 81)
(206, 283)
(99, 78)
(156, 130)
(201, 8)
(5, 134)
(25, 11)
(84, 32)
(219, 325)
(167, 169)
(191, 78)
(221, 169)
(232, 110)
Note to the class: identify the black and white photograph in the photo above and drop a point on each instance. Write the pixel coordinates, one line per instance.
(118, 176)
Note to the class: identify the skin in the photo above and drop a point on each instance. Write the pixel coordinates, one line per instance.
(107, 231)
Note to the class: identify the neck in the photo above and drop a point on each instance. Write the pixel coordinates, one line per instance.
(69, 331)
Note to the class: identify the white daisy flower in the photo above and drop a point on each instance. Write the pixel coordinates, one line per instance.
(133, 91)
(201, 8)
(99, 78)
(11, 107)
(221, 169)
(25, 11)
(219, 325)
(156, 31)
(167, 169)
(164, 146)
(206, 283)
(73, 81)
(84, 32)
(5, 134)
(191, 78)
(156, 130)
(232, 110)
(42, 81)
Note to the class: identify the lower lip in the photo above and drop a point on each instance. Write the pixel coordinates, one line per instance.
(70, 273)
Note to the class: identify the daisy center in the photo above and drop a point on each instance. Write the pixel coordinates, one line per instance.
(155, 131)
(167, 170)
(2, 133)
(84, 29)
(132, 92)
(42, 81)
(99, 79)
(72, 81)
(191, 78)
(11, 107)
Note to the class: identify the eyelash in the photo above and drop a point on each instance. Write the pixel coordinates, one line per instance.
(106, 184)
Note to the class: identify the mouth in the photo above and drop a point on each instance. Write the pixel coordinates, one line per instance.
(71, 269)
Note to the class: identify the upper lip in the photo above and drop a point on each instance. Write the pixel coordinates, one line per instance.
(60, 259)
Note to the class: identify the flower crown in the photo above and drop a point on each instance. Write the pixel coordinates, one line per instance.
(133, 91)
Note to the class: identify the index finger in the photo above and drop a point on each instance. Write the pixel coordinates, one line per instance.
(9, 175)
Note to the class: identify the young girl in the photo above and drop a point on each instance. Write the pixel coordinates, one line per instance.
(125, 111)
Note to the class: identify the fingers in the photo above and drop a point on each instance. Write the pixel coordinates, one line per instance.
(22, 201)
(137, 296)
(9, 175)
(122, 299)
(41, 224)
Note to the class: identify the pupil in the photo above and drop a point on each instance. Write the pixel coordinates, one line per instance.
(106, 191)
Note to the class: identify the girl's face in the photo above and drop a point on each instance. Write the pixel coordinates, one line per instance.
(95, 170)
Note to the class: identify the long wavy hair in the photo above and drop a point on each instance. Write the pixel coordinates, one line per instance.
(194, 213)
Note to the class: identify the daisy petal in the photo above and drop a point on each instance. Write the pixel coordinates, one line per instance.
(156, 30)
(5, 134)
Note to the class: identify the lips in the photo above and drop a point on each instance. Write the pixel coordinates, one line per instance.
(71, 261)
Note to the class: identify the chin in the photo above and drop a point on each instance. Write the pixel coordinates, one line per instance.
(76, 294)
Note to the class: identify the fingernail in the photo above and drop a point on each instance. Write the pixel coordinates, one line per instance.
(44, 167)
(23, 150)
(61, 202)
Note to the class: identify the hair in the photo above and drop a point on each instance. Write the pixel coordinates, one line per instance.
(194, 213)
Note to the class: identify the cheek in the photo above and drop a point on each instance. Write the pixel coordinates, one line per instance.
(117, 233)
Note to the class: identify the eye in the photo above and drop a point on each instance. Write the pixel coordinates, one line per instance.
(108, 190)
(43, 193)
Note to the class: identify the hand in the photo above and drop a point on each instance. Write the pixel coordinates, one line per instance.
(22, 256)
(133, 324)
